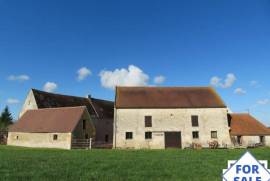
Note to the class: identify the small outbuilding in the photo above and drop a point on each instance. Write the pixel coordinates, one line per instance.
(52, 128)
(247, 131)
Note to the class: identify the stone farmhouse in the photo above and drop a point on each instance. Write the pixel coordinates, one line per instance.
(51, 127)
(140, 118)
(179, 117)
(101, 111)
(169, 117)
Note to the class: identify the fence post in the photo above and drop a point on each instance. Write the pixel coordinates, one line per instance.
(90, 143)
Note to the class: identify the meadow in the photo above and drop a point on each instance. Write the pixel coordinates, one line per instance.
(52, 164)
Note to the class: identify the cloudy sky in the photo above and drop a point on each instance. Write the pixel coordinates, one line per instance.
(89, 47)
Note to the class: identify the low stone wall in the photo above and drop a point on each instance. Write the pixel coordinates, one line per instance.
(40, 140)
(249, 141)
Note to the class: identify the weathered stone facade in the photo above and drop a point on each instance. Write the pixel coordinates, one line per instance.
(29, 103)
(88, 132)
(249, 141)
(40, 140)
(168, 120)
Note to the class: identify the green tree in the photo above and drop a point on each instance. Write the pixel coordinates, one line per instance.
(5, 118)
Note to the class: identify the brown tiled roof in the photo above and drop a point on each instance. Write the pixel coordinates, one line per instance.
(103, 108)
(50, 120)
(247, 125)
(100, 108)
(167, 97)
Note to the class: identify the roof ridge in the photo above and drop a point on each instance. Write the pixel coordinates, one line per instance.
(240, 114)
(50, 108)
(206, 87)
(57, 94)
(101, 100)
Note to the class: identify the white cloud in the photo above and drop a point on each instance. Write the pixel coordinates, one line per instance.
(263, 101)
(20, 78)
(50, 87)
(255, 84)
(227, 83)
(83, 73)
(133, 76)
(215, 81)
(240, 91)
(159, 79)
(13, 101)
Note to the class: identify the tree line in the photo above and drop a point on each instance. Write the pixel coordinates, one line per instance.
(5, 118)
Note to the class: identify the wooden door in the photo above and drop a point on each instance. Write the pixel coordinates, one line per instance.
(173, 140)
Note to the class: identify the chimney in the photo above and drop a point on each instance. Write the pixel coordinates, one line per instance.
(89, 96)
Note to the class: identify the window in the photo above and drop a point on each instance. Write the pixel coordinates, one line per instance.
(129, 135)
(148, 121)
(55, 137)
(148, 135)
(239, 140)
(262, 139)
(194, 121)
(106, 138)
(17, 137)
(84, 124)
(86, 136)
(195, 134)
(213, 134)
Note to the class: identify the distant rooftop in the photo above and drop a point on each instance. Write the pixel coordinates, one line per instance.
(100, 108)
(246, 125)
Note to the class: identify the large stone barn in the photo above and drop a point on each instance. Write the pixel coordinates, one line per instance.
(101, 111)
(247, 131)
(169, 117)
(52, 128)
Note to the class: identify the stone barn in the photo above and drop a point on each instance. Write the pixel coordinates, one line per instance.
(101, 111)
(52, 128)
(247, 131)
(169, 117)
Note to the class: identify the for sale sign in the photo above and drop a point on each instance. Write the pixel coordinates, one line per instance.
(247, 168)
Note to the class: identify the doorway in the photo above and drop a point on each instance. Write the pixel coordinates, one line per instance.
(173, 140)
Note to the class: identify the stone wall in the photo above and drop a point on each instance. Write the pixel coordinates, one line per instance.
(29, 103)
(247, 141)
(40, 140)
(168, 120)
(80, 133)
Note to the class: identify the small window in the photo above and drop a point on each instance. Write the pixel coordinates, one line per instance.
(148, 135)
(239, 140)
(106, 138)
(129, 135)
(84, 124)
(213, 134)
(195, 134)
(55, 137)
(262, 139)
(86, 136)
(17, 137)
(148, 121)
(195, 121)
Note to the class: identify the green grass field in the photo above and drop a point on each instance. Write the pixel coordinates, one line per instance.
(46, 164)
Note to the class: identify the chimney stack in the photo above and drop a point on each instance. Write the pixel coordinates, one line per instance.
(89, 96)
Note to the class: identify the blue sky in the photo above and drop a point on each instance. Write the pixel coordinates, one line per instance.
(225, 44)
